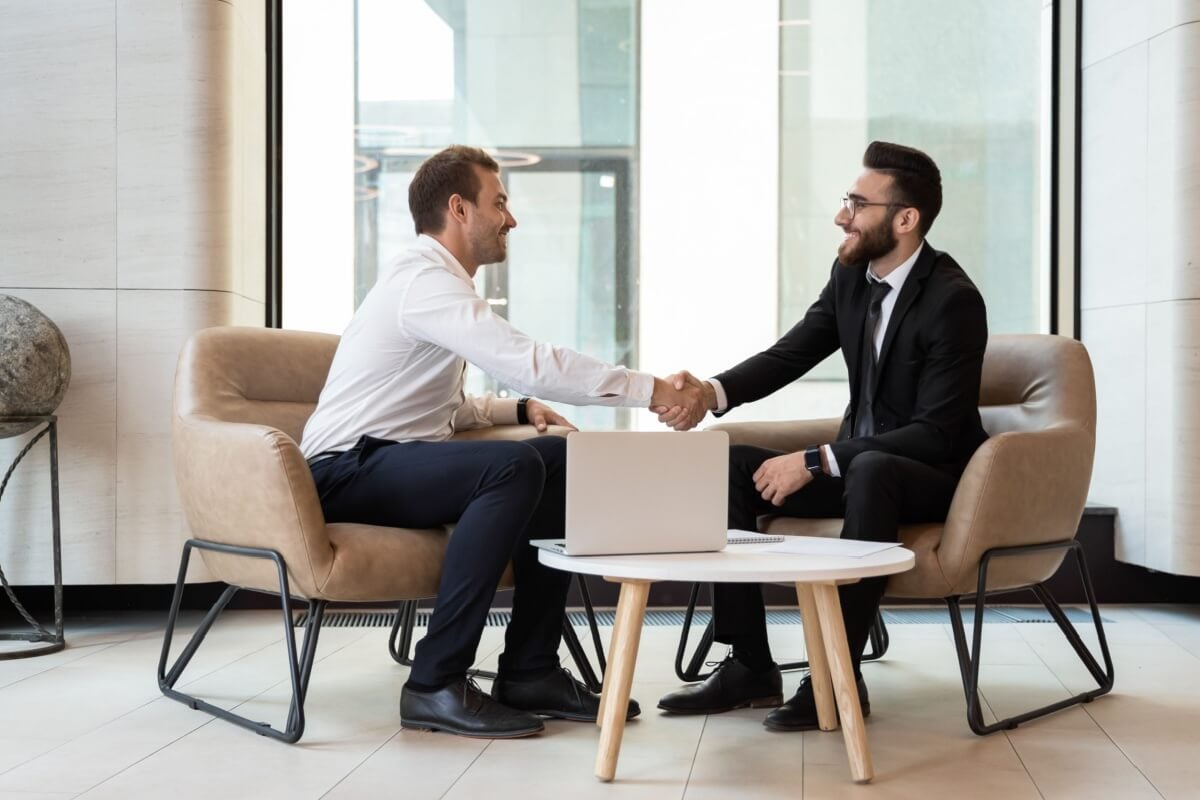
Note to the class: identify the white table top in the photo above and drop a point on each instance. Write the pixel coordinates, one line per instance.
(737, 563)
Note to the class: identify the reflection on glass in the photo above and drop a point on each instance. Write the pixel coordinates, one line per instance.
(961, 81)
(550, 88)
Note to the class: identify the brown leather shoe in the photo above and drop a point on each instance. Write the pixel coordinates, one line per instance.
(731, 685)
(800, 713)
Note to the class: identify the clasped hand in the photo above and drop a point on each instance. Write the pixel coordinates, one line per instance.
(681, 400)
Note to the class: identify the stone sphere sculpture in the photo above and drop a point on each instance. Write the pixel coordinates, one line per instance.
(35, 364)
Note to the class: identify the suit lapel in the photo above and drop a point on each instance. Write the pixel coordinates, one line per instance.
(908, 294)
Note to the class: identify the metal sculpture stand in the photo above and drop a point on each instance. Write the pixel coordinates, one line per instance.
(52, 641)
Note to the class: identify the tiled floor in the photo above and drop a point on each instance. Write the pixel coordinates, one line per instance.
(89, 722)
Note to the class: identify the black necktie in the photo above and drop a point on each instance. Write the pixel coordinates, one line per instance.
(864, 417)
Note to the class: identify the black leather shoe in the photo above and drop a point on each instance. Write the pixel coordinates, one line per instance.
(556, 695)
(731, 685)
(800, 713)
(463, 708)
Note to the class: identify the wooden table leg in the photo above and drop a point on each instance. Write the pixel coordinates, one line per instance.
(818, 664)
(829, 608)
(614, 700)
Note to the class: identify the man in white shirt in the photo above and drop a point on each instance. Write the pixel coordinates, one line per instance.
(912, 329)
(378, 446)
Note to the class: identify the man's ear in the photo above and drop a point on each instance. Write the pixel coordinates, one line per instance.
(906, 221)
(456, 208)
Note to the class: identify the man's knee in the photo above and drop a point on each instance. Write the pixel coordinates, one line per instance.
(520, 462)
(551, 449)
(744, 461)
(871, 470)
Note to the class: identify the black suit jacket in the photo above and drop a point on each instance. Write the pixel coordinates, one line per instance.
(926, 404)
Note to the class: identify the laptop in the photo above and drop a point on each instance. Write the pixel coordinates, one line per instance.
(640, 492)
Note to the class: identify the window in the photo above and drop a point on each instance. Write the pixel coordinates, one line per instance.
(674, 175)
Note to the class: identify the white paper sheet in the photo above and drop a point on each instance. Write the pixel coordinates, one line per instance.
(825, 546)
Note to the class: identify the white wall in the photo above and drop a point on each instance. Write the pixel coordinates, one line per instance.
(1140, 278)
(121, 219)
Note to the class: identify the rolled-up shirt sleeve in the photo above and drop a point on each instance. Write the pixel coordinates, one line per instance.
(443, 309)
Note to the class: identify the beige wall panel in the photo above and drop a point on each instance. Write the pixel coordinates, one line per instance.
(207, 243)
(151, 148)
(1173, 166)
(152, 327)
(87, 454)
(1116, 340)
(1113, 248)
(249, 164)
(57, 143)
(1172, 429)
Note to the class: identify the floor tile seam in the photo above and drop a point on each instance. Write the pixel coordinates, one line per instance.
(151, 754)
(288, 680)
(266, 646)
(1121, 750)
(63, 664)
(1096, 722)
(88, 732)
(1168, 636)
(355, 768)
(695, 753)
(466, 769)
(1020, 760)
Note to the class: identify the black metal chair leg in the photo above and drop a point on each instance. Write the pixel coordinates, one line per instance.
(299, 668)
(400, 639)
(969, 658)
(879, 640)
(401, 636)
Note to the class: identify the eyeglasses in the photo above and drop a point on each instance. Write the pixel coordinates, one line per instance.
(853, 204)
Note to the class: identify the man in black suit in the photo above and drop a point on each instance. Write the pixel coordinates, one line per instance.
(912, 329)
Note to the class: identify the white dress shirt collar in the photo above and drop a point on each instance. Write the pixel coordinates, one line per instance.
(445, 256)
(897, 276)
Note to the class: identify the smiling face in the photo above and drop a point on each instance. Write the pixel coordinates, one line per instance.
(489, 220)
(870, 232)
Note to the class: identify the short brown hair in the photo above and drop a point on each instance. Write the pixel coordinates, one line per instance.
(917, 180)
(450, 172)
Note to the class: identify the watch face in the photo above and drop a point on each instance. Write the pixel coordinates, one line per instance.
(812, 460)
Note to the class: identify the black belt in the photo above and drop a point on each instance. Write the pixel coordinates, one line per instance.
(325, 455)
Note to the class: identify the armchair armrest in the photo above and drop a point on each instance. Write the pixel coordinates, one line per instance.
(787, 437)
(1020, 487)
(508, 433)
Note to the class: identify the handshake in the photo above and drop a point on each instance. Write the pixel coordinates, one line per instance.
(681, 400)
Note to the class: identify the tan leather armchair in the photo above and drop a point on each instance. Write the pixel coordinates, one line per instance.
(242, 397)
(1014, 516)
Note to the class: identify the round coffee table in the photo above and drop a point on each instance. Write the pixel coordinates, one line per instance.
(816, 579)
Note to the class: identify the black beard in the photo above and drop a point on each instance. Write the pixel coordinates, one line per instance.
(872, 243)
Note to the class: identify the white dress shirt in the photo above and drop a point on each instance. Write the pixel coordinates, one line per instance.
(896, 279)
(398, 371)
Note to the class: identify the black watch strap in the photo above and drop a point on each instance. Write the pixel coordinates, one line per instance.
(523, 411)
(812, 460)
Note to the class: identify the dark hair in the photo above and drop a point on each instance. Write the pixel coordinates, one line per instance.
(918, 183)
(447, 173)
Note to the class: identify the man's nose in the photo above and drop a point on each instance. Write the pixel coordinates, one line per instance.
(510, 220)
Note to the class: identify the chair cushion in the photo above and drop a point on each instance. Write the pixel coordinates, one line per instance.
(924, 580)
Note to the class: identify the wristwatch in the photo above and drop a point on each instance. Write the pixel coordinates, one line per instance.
(812, 460)
(522, 411)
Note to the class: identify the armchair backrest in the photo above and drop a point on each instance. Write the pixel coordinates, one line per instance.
(1033, 382)
(242, 397)
(1028, 483)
